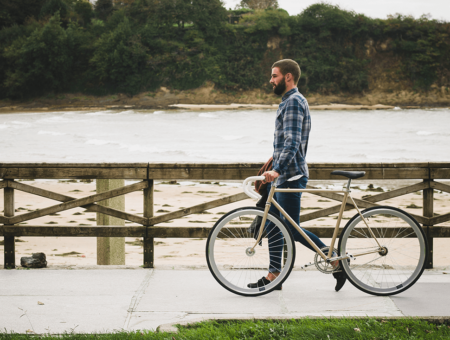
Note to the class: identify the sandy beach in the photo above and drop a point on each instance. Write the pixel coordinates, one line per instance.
(184, 253)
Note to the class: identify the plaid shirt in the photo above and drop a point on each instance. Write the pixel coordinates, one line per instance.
(292, 126)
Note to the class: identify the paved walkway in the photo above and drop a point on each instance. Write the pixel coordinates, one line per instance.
(101, 300)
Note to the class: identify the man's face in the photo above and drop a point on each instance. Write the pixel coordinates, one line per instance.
(277, 81)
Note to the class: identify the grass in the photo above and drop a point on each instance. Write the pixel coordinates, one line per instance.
(336, 329)
(413, 206)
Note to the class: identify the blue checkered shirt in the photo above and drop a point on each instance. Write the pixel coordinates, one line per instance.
(292, 126)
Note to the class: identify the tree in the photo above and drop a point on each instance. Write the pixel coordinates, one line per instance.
(83, 10)
(50, 7)
(17, 12)
(258, 4)
(103, 8)
(44, 61)
(120, 59)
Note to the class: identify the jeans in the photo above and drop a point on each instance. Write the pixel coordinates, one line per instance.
(290, 202)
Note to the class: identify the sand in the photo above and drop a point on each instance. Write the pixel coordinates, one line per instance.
(78, 252)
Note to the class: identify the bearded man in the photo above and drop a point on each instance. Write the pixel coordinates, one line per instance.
(292, 127)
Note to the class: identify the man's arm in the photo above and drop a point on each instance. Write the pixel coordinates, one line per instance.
(292, 129)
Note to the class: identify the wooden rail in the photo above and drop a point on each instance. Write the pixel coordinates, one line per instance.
(426, 173)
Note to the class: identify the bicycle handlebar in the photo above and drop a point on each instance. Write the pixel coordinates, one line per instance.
(248, 188)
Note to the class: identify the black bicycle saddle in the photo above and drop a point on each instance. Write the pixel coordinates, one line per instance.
(349, 174)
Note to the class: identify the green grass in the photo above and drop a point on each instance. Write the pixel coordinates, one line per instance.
(364, 328)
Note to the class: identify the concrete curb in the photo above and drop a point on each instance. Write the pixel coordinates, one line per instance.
(171, 327)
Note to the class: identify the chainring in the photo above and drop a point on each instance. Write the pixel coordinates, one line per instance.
(321, 264)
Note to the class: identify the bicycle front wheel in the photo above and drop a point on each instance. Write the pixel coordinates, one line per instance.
(391, 262)
(233, 259)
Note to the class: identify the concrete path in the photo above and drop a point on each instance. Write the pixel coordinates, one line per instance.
(105, 300)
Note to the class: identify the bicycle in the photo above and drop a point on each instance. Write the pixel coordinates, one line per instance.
(381, 249)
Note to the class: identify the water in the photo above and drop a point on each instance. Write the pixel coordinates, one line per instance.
(220, 136)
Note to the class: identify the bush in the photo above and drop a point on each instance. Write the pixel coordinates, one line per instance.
(119, 60)
(42, 62)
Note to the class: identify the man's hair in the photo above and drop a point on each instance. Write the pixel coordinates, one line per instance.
(289, 66)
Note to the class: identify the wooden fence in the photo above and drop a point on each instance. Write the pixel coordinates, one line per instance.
(427, 175)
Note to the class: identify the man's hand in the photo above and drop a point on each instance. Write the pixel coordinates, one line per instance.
(270, 176)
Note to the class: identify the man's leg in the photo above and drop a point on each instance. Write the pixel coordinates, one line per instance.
(291, 203)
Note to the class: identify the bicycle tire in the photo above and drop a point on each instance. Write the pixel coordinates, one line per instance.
(388, 272)
(227, 244)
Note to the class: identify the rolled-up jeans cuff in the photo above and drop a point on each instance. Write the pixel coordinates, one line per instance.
(274, 270)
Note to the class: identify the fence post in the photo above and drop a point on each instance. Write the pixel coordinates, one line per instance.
(10, 246)
(110, 250)
(149, 246)
(428, 211)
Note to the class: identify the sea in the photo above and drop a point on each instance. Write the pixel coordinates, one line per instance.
(416, 135)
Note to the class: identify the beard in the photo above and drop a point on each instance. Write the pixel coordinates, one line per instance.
(280, 88)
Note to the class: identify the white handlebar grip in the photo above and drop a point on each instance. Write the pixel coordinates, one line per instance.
(248, 188)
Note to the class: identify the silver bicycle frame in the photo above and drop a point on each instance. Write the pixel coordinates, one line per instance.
(346, 191)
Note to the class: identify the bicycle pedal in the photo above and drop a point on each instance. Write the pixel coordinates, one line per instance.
(307, 265)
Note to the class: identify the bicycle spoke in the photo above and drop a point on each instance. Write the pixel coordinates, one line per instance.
(397, 264)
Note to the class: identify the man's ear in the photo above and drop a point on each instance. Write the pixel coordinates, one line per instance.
(288, 76)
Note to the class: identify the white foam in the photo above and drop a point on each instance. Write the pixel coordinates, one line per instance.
(97, 113)
(99, 142)
(397, 108)
(207, 115)
(52, 133)
(3, 126)
(231, 137)
(424, 133)
(158, 112)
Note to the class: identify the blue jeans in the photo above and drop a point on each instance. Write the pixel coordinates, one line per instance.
(290, 202)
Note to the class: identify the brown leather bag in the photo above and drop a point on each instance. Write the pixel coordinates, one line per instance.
(261, 187)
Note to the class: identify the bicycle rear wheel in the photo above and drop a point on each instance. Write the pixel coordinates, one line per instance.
(394, 267)
(231, 259)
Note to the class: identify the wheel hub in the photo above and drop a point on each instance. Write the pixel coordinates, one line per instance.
(383, 251)
(250, 252)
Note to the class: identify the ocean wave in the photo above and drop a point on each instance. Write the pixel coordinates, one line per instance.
(100, 142)
(424, 133)
(231, 137)
(4, 126)
(52, 133)
(208, 115)
(158, 112)
(98, 113)
(54, 119)
(359, 156)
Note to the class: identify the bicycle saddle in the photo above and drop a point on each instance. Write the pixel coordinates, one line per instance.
(349, 174)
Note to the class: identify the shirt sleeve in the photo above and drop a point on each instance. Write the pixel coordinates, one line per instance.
(292, 130)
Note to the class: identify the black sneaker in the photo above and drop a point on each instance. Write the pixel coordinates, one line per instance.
(340, 277)
(261, 283)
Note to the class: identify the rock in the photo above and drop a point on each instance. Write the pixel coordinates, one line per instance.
(37, 260)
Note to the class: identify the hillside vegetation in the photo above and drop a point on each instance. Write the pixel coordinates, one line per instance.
(59, 46)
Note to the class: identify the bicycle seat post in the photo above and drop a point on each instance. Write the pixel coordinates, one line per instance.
(348, 184)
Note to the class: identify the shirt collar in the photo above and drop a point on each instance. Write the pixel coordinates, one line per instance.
(289, 93)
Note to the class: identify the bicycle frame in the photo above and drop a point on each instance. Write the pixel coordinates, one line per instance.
(328, 258)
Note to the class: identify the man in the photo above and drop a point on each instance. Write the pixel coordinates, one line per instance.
(292, 127)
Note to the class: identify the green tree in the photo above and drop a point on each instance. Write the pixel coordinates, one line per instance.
(50, 8)
(84, 11)
(17, 12)
(103, 9)
(209, 16)
(120, 59)
(328, 43)
(258, 4)
(44, 61)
